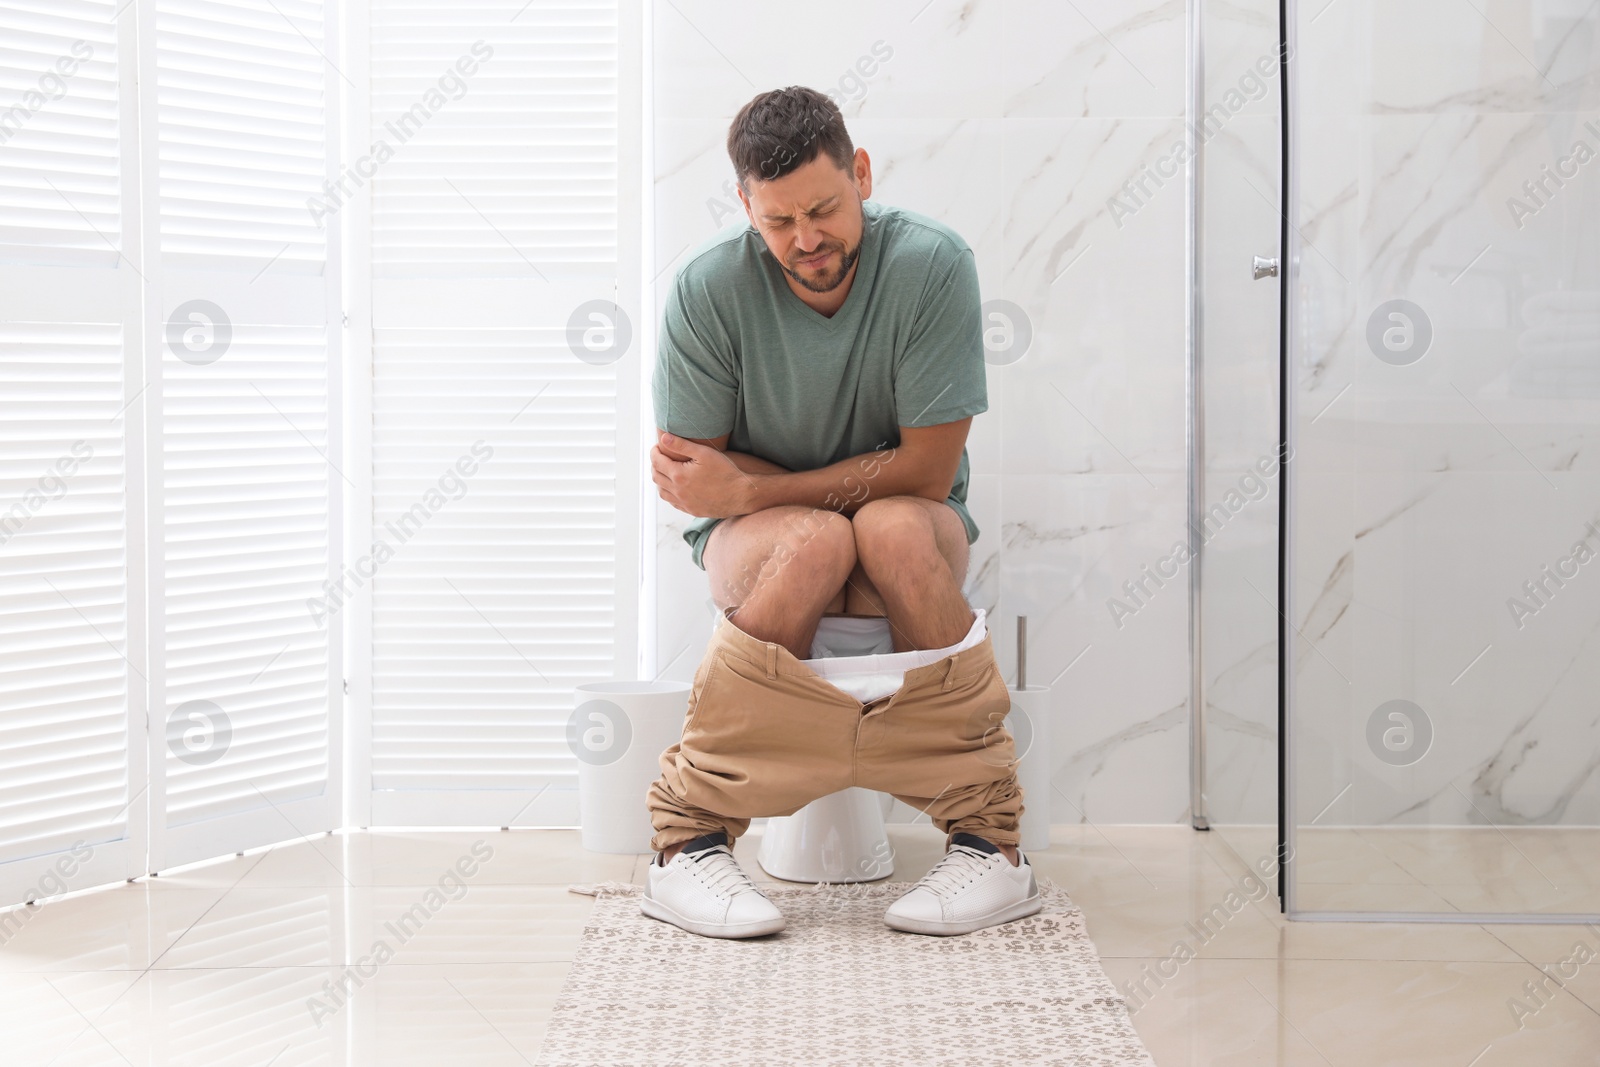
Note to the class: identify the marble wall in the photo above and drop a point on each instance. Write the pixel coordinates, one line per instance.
(1013, 121)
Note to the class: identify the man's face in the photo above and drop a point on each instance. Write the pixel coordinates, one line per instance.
(811, 219)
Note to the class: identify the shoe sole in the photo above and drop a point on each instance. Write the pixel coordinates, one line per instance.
(657, 910)
(1020, 910)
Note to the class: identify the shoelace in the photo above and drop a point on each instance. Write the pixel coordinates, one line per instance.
(959, 866)
(722, 874)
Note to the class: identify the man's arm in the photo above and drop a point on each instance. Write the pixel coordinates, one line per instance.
(699, 478)
(745, 461)
(924, 464)
(674, 465)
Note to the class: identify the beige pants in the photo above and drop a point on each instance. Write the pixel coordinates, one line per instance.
(765, 735)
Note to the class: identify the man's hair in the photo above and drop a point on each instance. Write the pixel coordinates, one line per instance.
(783, 130)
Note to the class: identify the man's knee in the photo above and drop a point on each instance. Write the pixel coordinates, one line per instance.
(894, 529)
(821, 538)
(806, 545)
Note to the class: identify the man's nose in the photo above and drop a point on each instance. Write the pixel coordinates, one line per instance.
(807, 237)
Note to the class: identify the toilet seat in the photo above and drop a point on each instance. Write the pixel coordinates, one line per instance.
(857, 654)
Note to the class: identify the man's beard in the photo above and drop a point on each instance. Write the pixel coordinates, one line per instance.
(828, 283)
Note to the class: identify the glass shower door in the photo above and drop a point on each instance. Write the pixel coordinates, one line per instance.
(1443, 533)
(1235, 521)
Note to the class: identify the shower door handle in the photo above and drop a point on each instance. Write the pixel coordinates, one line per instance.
(1262, 267)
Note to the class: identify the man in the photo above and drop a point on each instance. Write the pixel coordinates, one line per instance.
(818, 372)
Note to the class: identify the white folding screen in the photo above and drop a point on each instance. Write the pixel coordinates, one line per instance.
(250, 472)
(498, 356)
(168, 447)
(73, 632)
(173, 579)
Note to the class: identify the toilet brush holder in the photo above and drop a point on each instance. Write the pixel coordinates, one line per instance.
(1029, 725)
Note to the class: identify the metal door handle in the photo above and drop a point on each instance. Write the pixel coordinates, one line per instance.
(1263, 267)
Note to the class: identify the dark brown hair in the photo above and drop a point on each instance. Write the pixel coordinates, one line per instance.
(782, 130)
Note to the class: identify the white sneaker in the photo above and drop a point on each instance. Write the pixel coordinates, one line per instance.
(706, 892)
(969, 889)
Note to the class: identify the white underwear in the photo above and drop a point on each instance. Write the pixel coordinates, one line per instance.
(856, 655)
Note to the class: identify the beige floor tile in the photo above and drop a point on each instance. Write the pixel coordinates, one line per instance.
(1443, 942)
(318, 860)
(1205, 1013)
(490, 1014)
(123, 927)
(61, 1017)
(1244, 848)
(1245, 840)
(1453, 855)
(1212, 914)
(1570, 955)
(309, 927)
(1428, 1014)
(520, 857)
(243, 974)
(515, 857)
(1375, 897)
(1567, 855)
(1341, 856)
(1233, 1013)
(229, 1018)
(1522, 893)
(1157, 853)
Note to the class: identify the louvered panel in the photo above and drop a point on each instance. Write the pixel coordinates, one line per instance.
(499, 597)
(246, 550)
(64, 681)
(497, 122)
(242, 139)
(59, 141)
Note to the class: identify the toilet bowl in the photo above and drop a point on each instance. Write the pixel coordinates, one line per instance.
(836, 838)
(841, 837)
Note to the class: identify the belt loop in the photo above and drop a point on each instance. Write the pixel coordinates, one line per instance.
(950, 674)
(772, 659)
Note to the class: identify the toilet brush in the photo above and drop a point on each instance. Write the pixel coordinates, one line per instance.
(1022, 652)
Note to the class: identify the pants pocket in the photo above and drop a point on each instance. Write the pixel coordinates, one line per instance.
(703, 676)
(991, 705)
(934, 739)
(758, 746)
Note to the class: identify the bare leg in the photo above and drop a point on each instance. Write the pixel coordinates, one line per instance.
(778, 569)
(913, 553)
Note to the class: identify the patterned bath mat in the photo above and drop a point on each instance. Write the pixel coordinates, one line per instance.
(837, 987)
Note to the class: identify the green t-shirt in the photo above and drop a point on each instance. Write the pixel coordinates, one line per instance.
(741, 354)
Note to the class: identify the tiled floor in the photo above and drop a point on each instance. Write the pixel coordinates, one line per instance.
(1443, 869)
(232, 963)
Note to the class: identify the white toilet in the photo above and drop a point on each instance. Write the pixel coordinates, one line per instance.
(837, 838)
(841, 837)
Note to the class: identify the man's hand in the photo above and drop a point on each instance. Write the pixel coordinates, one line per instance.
(700, 480)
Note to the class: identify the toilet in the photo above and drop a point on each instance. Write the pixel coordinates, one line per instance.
(841, 837)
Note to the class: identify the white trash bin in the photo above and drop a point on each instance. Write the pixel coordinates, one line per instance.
(618, 731)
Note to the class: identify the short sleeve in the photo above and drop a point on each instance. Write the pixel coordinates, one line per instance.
(696, 384)
(939, 376)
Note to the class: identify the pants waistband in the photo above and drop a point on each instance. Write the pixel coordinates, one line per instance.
(776, 660)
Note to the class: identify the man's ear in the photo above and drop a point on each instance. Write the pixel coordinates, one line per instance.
(863, 173)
